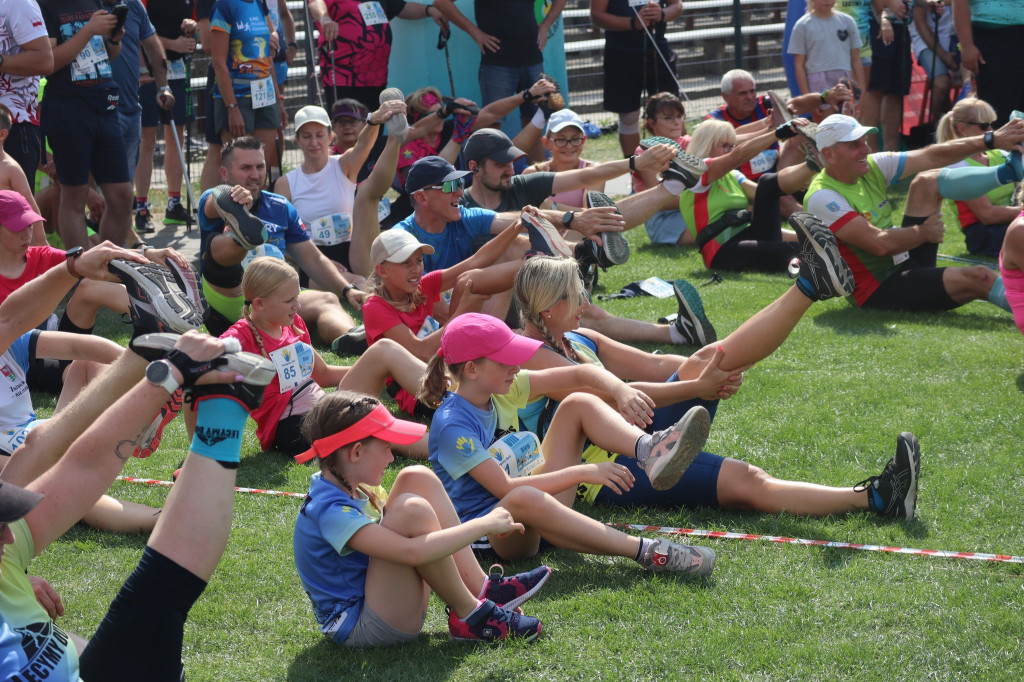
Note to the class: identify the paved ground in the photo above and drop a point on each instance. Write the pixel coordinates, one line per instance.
(177, 238)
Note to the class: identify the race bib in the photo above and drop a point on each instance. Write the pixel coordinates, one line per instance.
(430, 325)
(294, 365)
(92, 54)
(262, 250)
(12, 437)
(900, 257)
(373, 13)
(331, 229)
(763, 162)
(657, 287)
(262, 92)
(517, 453)
(383, 209)
(638, 3)
(176, 70)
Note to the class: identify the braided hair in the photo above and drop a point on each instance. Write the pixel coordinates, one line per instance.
(263, 275)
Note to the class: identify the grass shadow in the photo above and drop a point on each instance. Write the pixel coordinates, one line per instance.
(1020, 382)
(859, 322)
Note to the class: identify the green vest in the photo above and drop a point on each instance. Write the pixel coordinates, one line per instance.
(699, 210)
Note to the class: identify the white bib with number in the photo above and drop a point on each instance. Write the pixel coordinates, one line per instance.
(176, 70)
(332, 229)
(430, 325)
(294, 365)
(900, 257)
(262, 250)
(92, 54)
(12, 437)
(763, 162)
(262, 93)
(373, 13)
(517, 453)
(383, 209)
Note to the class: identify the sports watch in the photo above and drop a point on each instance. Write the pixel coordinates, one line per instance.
(567, 218)
(990, 142)
(159, 374)
(70, 255)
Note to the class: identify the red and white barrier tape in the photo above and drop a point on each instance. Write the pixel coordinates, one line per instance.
(253, 491)
(724, 535)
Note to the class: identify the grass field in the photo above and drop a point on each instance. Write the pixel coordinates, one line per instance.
(825, 408)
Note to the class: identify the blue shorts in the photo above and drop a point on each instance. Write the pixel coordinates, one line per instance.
(497, 82)
(925, 60)
(150, 110)
(697, 488)
(84, 140)
(666, 227)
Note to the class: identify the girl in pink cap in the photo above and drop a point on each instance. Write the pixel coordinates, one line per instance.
(364, 568)
(476, 386)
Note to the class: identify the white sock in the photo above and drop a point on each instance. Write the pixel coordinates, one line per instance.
(677, 338)
(674, 187)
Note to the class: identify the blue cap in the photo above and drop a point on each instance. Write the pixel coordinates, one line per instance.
(431, 170)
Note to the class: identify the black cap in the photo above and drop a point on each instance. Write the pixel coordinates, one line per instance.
(15, 502)
(430, 170)
(490, 143)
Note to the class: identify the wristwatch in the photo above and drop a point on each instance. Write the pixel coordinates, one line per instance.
(370, 121)
(1, 60)
(567, 218)
(990, 142)
(70, 255)
(159, 374)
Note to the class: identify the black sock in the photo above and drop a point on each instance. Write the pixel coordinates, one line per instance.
(911, 220)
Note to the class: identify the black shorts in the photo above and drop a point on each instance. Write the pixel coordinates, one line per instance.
(25, 147)
(913, 287)
(335, 252)
(289, 438)
(212, 136)
(890, 64)
(84, 140)
(628, 76)
(150, 110)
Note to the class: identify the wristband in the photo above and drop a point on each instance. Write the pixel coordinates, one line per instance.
(662, 20)
(824, 95)
(293, 44)
(990, 142)
(191, 369)
(527, 97)
(370, 121)
(347, 288)
(632, 23)
(113, 42)
(632, 163)
(233, 105)
(69, 256)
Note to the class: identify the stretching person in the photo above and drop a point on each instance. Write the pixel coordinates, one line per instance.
(1011, 266)
(364, 568)
(550, 300)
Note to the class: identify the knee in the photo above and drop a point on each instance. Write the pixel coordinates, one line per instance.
(750, 483)
(521, 499)
(410, 515)
(417, 475)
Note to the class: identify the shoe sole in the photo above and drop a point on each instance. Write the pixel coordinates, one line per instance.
(242, 224)
(693, 429)
(157, 345)
(809, 132)
(398, 124)
(693, 307)
(688, 163)
(526, 596)
(174, 310)
(255, 369)
(615, 246)
(655, 140)
(814, 233)
(779, 105)
(523, 638)
(188, 280)
(549, 235)
(913, 447)
(176, 221)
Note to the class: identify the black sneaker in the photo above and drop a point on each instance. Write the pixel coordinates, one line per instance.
(893, 493)
(686, 168)
(814, 160)
(691, 321)
(823, 272)
(245, 228)
(144, 220)
(157, 298)
(352, 342)
(178, 215)
(398, 124)
(586, 254)
(491, 623)
(615, 248)
(544, 238)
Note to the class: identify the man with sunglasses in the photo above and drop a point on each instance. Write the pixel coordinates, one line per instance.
(894, 267)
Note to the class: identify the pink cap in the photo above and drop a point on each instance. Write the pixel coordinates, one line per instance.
(474, 335)
(15, 212)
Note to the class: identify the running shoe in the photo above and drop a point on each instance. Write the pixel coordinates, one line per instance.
(814, 159)
(491, 623)
(144, 219)
(684, 167)
(555, 101)
(398, 124)
(156, 346)
(245, 228)
(352, 342)
(691, 321)
(663, 556)
(157, 298)
(512, 592)
(178, 215)
(674, 449)
(544, 238)
(823, 272)
(150, 438)
(780, 112)
(893, 493)
(615, 248)
(587, 260)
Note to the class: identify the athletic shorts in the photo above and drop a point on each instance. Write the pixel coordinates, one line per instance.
(371, 630)
(627, 76)
(151, 111)
(264, 118)
(912, 287)
(83, 141)
(890, 64)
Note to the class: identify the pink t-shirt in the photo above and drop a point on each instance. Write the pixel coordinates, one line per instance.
(292, 355)
(638, 182)
(39, 259)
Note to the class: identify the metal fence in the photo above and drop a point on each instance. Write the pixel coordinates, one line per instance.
(711, 37)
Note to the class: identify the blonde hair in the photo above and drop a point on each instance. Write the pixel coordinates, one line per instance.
(262, 276)
(332, 414)
(375, 287)
(540, 284)
(967, 110)
(707, 135)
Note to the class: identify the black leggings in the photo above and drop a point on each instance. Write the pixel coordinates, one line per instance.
(760, 246)
(141, 635)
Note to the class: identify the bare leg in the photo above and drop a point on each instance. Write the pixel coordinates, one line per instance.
(120, 516)
(385, 358)
(210, 176)
(622, 329)
(117, 218)
(76, 377)
(923, 198)
(90, 296)
(638, 208)
(144, 169)
(71, 216)
(892, 117)
(172, 166)
(365, 226)
(323, 310)
(745, 486)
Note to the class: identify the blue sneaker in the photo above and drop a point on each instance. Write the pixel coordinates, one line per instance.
(823, 272)
(691, 321)
(512, 592)
(491, 623)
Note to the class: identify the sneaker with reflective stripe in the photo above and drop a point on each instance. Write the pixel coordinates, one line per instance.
(156, 296)
(823, 272)
(398, 124)
(780, 112)
(893, 493)
(664, 556)
(245, 228)
(615, 248)
(691, 321)
(512, 592)
(150, 439)
(491, 623)
(544, 238)
(674, 449)
(189, 282)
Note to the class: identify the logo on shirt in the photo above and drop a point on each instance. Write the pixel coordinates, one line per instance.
(45, 646)
(211, 436)
(6, 371)
(465, 444)
(843, 35)
(832, 206)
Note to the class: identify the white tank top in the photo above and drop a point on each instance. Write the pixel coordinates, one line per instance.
(320, 195)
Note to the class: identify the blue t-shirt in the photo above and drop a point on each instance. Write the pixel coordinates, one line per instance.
(249, 54)
(332, 574)
(126, 67)
(454, 244)
(284, 226)
(458, 440)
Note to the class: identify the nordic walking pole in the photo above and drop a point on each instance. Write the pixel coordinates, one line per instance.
(188, 140)
(442, 44)
(168, 119)
(654, 43)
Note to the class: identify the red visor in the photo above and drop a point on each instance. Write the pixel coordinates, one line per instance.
(379, 423)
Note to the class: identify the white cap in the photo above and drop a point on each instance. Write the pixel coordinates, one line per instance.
(563, 119)
(395, 246)
(840, 128)
(311, 114)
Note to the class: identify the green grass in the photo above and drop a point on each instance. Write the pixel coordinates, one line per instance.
(825, 408)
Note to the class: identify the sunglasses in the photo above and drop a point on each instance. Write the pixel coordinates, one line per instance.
(984, 125)
(561, 142)
(449, 186)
